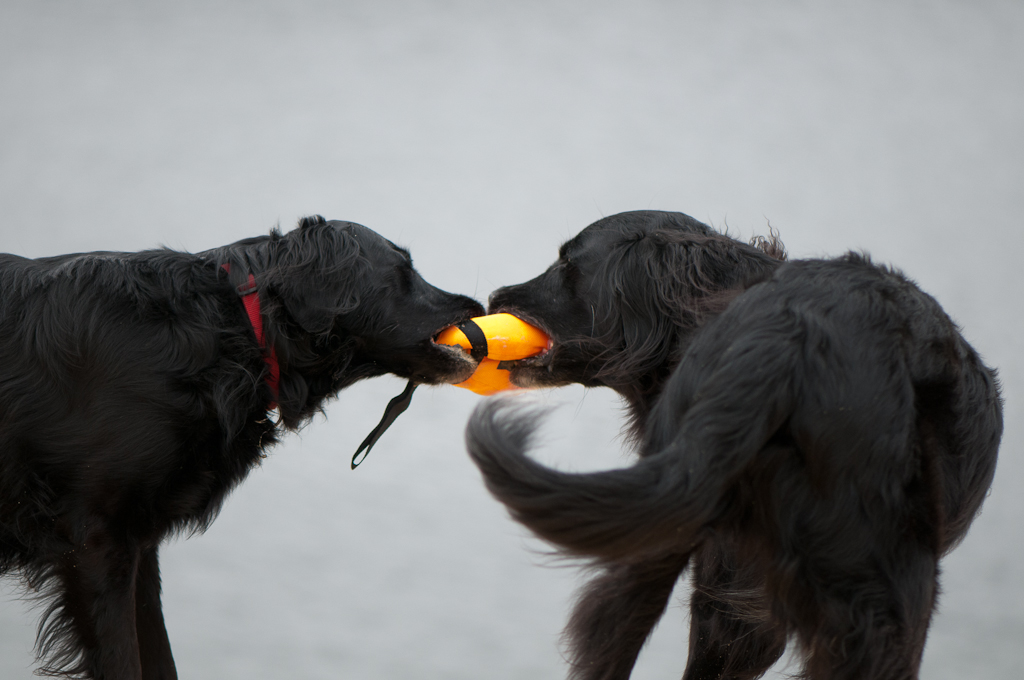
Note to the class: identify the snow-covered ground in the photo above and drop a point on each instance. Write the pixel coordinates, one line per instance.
(480, 136)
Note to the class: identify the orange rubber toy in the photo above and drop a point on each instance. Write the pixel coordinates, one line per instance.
(492, 339)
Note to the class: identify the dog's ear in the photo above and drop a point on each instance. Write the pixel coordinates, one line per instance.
(320, 273)
(668, 274)
(658, 286)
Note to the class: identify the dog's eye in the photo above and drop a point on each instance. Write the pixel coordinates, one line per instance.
(567, 271)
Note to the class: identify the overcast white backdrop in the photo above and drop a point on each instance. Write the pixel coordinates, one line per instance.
(481, 135)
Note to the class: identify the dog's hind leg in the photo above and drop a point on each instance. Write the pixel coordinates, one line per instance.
(879, 633)
(615, 614)
(732, 632)
(961, 422)
(154, 646)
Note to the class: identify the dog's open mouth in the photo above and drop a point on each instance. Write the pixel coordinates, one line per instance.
(462, 364)
(499, 344)
(541, 360)
(530, 371)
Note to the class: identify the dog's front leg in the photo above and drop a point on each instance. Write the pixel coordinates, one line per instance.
(154, 646)
(99, 577)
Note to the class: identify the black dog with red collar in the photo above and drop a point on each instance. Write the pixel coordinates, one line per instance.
(134, 392)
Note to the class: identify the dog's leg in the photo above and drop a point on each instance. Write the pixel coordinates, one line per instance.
(961, 424)
(879, 634)
(96, 611)
(154, 646)
(615, 614)
(732, 632)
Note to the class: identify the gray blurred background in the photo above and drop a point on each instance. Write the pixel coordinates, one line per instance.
(481, 135)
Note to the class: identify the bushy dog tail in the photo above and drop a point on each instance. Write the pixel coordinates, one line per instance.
(716, 413)
(605, 515)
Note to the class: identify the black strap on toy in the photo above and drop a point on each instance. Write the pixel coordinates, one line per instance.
(394, 409)
(476, 337)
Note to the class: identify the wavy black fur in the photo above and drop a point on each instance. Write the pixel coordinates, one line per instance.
(132, 399)
(813, 437)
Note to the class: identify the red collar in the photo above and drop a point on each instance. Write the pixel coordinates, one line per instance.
(251, 301)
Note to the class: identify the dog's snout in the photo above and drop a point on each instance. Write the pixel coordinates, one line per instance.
(475, 308)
